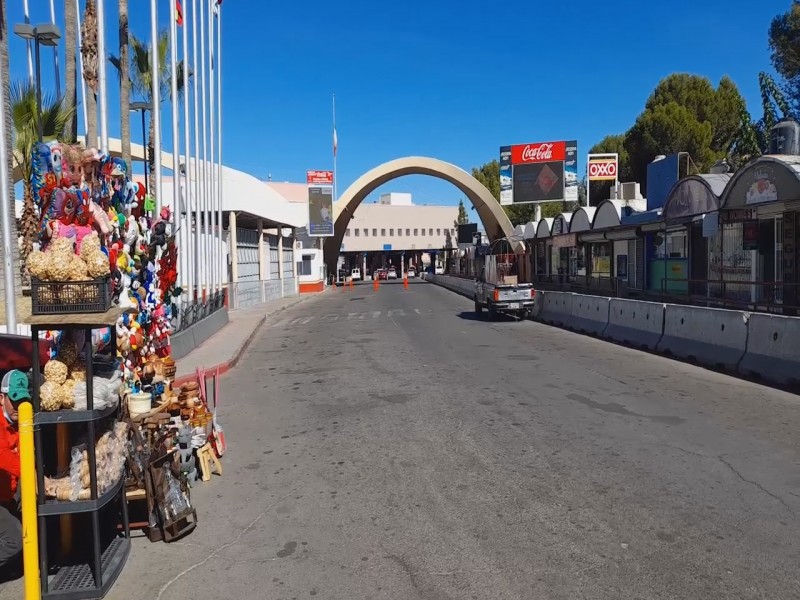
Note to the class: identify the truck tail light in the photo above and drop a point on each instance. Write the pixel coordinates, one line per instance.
(497, 295)
(533, 293)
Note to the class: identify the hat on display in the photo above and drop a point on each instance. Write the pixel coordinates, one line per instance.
(15, 386)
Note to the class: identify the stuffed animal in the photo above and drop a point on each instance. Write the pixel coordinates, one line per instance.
(57, 161)
(39, 168)
(73, 164)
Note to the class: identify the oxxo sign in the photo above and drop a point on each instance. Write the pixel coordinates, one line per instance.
(602, 169)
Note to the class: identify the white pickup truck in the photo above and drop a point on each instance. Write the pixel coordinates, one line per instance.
(499, 291)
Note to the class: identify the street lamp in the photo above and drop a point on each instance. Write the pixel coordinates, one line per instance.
(46, 34)
(143, 107)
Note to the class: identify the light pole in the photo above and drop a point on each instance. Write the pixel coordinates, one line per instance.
(143, 107)
(45, 34)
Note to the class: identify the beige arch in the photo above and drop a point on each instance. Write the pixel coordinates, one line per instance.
(492, 215)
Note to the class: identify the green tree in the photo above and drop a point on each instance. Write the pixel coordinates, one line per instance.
(56, 114)
(463, 217)
(141, 83)
(667, 129)
(784, 33)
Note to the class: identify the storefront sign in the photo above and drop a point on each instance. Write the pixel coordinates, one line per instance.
(569, 240)
(738, 216)
(536, 153)
(603, 167)
(766, 180)
(319, 177)
(750, 235)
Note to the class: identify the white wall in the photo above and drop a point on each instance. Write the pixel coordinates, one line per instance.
(396, 225)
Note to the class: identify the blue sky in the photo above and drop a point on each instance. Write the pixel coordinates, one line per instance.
(452, 80)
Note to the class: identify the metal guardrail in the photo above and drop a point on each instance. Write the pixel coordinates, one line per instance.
(190, 313)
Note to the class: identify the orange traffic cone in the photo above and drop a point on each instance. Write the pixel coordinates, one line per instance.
(405, 281)
(375, 284)
(351, 283)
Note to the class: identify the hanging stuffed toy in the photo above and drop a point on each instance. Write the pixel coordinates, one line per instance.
(73, 165)
(40, 166)
(57, 163)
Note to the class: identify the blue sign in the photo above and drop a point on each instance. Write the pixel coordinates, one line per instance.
(387, 246)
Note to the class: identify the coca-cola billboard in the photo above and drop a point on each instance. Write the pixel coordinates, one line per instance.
(536, 153)
(539, 182)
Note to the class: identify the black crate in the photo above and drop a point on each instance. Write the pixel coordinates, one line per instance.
(65, 297)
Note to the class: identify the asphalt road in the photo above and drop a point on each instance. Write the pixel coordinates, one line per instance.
(387, 445)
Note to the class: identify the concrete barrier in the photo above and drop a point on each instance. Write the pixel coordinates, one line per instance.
(635, 323)
(538, 305)
(183, 342)
(557, 308)
(709, 336)
(589, 314)
(773, 349)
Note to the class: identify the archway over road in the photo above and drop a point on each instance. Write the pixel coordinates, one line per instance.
(492, 215)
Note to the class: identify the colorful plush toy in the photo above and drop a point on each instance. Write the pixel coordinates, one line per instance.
(39, 168)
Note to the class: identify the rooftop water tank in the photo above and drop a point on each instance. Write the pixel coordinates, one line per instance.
(784, 138)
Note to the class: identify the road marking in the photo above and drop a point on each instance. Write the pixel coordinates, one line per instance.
(396, 312)
(376, 314)
(306, 321)
(351, 316)
(416, 310)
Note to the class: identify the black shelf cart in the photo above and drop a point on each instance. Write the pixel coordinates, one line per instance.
(92, 579)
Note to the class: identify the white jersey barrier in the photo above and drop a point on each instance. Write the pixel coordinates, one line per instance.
(635, 323)
(773, 349)
(589, 314)
(557, 308)
(709, 336)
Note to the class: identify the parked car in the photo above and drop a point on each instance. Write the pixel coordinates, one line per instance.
(383, 274)
(356, 274)
(392, 273)
(411, 272)
(439, 270)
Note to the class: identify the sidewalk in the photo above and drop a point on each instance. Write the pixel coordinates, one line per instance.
(224, 348)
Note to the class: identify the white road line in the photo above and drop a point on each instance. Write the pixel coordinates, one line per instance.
(397, 312)
(376, 314)
(416, 310)
(351, 316)
(306, 321)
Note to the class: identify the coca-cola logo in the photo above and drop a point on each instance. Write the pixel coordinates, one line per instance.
(537, 153)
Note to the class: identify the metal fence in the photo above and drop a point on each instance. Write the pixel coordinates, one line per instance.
(190, 313)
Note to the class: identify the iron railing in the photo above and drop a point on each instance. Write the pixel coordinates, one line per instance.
(190, 313)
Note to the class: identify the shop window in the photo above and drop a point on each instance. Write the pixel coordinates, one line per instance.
(601, 260)
(673, 245)
(304, 266)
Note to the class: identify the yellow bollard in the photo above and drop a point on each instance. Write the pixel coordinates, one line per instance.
(27, 482)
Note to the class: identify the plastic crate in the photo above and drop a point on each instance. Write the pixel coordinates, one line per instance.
(66, 297)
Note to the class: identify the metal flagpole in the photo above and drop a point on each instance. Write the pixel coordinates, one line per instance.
(212, 143)
(155, 112)
(198, 255)
(55, 49)
(28, 42)
(187, 179)
(101, 75)
(335, 144)
(6, 206)
(206, 241)
(176, 140)
(80, 75)
(223, 279)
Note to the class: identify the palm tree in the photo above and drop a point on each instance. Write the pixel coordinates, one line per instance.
(70, 38)
(141, 81)
(124, 85)
(89, 53)
(9, 132)
(56, 113)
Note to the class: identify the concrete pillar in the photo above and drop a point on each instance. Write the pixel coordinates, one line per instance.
(232, 247)
(280, 257)
(294, 264)
(262, 264)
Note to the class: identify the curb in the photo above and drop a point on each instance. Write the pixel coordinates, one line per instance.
(227, 365)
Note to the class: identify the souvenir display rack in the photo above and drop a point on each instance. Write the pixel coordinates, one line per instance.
(94, 578)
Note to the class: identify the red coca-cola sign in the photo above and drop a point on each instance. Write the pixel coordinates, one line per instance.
(536, 153)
